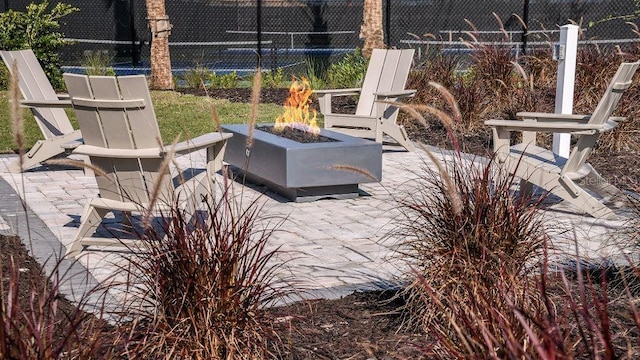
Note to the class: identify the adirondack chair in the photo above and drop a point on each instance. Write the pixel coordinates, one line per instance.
(122, 138)
(569, 178)
(46, 106)
(384, 81)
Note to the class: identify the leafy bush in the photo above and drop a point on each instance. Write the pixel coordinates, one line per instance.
(4, 77)
(196, 78)
(37, 29)
(314, 73)
(349, 72)
(98, 63)
(273, 79)
(226, 81)
(201, 77)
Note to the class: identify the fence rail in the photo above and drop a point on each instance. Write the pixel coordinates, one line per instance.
(224, 32)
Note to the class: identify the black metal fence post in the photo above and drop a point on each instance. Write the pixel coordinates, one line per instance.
(525, 26)
(387, 29)
(259, 32)
(135, 49)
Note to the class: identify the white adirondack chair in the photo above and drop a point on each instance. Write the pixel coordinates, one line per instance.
(385, 80)
(569, 178)
(46, 106)
(122, 138)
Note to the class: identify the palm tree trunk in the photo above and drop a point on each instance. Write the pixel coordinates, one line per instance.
(371, 30)
(161, 77)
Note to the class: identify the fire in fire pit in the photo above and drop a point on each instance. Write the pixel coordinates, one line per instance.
(299, 160)
(297, 113)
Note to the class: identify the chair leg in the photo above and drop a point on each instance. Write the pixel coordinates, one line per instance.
(215, 155)
(526, 188)
(600, 185)
(41, 151)
(91, 218)
(583, 201)
(398, 133)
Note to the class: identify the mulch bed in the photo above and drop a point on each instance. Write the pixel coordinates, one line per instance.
(358, 326)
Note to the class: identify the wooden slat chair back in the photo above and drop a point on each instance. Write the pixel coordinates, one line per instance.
(384, 81)
(47, 108)
(620, 82)
(573, 179)
(122, 140)
(388, 70)
(119, 117)
(34, 85)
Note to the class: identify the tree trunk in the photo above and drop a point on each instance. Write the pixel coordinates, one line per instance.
(371, 30)
(161, 77)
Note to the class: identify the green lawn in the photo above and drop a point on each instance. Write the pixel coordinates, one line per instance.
(177, 114)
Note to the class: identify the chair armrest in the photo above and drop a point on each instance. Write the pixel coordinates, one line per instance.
(71, 145)
(46, 103)
(147, 153)
(562, 117)
(338, 92)
(395, 94)
(556, 127)
(198, 143)
(325, 96)
(552, 116)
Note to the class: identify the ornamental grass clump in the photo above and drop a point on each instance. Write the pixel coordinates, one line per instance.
(201, 287)
(469, 237)
(482, 284)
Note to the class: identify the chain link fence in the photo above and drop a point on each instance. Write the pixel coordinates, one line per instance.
(227, 35)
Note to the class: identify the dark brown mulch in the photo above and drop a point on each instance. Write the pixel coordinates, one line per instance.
(272, 96)
(21, 273)
(363, 325)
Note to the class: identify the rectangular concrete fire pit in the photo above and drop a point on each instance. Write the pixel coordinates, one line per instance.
(305, 171)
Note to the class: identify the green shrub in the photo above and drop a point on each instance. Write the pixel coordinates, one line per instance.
(317, 78)
(4, 77)
(273, 79)
(196, 78)
(349, 72)
(98, 63)
(226, 81)
(37, 29)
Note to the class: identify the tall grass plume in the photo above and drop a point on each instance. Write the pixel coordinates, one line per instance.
(204, 283)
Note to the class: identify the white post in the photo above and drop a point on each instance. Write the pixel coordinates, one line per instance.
(565, 52)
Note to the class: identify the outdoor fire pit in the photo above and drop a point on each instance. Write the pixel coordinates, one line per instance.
(305, 171)
(299, 160)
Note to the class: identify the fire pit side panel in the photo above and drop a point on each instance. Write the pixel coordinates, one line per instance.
(265, 161)
(290, 164)
(339, 164)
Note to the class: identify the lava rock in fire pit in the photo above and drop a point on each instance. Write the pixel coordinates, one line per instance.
(294, 134)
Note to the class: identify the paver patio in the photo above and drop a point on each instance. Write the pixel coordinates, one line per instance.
(333, 247)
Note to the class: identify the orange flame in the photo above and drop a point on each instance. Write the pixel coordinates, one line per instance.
(296, 109)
